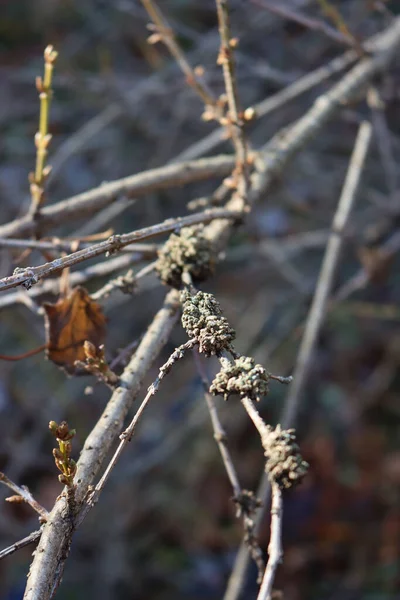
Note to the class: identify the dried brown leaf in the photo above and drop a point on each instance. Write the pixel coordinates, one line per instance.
(69, 323)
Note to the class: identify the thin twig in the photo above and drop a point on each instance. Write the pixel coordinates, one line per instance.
(58, 245)
(30, 539)
(135, 185)
(292, 91)
(318, 307)
(309, 23)
(246, 501)
(275, 552)
(166, 35)
(235, 116)
(284, 145)
(25, 495)
(383, 137)
(363, 277)
(334, 15)
(126, 283)
(277, 155)
(219, 432)
(42, 137)
(127, 434)
(31, 275)
(98, 270)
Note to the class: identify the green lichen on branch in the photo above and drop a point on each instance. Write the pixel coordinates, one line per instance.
(285, 465)
(242, 377)
(188, 251)
(203, 320)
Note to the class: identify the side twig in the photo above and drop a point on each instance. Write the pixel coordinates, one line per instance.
(165, 34)
(235, 116)
(315, 24)
(23, 495)
(42, 137)
(30, 539)
(127, 434)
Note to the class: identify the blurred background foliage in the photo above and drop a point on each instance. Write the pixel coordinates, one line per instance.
(165, 525)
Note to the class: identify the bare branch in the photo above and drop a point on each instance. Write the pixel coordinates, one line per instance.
(275, 551)
(255, 416)
(135, 185)
(315, 24)
(30, 539)
(126, 283)
(126, 435)
(31, 275)
(47, 567)
(382, 132)
(219, 432)
(318, 307)
(48, 564)
(234, 116)
(278, 153)
(101, 269)
(166, 35)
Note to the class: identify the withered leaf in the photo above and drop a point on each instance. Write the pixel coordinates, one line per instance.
(69, 323)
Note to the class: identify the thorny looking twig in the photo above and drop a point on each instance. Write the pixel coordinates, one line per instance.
(292, 91)
(59, 245)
